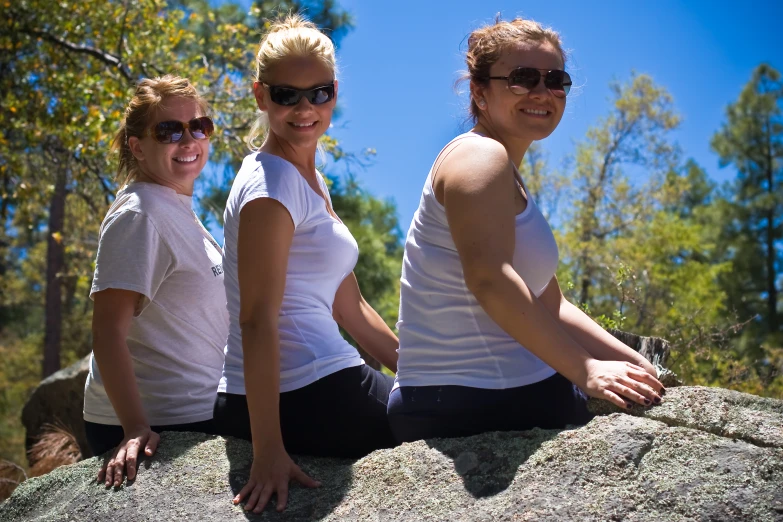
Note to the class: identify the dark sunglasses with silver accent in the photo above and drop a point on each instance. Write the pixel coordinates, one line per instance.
(522, 80)
(173, 131)
(288, 96)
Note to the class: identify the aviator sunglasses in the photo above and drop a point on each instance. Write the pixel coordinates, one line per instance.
(173, 131)
(524, 79)
(288, 96)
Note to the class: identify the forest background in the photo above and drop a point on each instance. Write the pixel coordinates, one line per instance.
(650, 243)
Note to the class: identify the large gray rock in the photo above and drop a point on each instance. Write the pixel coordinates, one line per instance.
(725, 413)
(59, 399)
(705, 454)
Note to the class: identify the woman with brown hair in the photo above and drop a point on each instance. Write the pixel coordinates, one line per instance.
(159, 321)
(487, 340)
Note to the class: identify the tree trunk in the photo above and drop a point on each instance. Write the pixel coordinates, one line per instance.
(55, 262)
(772, 291)
(584, 295)
(589, 223)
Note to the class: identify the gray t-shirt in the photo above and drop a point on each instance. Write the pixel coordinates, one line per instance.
(151, 242)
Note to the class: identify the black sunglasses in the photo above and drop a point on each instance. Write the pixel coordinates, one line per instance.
(288, 96)
(524, 79)
(173, 131)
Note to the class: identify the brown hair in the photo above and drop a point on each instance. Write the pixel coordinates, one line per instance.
(291, 36)
(486, 44)
(150, 94)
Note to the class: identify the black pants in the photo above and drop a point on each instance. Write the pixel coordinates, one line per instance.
(340, 415)
(423, 412)
(105, 437)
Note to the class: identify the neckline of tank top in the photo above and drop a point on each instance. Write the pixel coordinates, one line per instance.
(522, 216)
(321, 183)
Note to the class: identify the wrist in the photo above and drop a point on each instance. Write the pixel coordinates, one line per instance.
(265, 446)
(583, 372)
(648, 366)
(135, 426)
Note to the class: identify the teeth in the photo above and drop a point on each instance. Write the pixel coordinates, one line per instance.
(534, 111)
(186, 159)
(303, 124)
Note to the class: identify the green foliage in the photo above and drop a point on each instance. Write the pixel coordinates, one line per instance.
(648, 244)
(67, 71)
(603, 201)
(20, 373)
(751, 140)
(650, 257)
(374, 225)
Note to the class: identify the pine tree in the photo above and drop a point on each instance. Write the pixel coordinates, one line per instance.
(751, 140)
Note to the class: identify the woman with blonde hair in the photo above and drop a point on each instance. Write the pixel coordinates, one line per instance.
(159, 320)
(291, 383)
(487, 340)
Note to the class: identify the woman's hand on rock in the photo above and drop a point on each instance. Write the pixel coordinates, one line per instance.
(124, 460)
(621, 382)
(270, 473)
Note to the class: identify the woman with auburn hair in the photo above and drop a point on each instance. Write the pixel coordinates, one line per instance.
(290, 380)
(159, 321)
(487, 340)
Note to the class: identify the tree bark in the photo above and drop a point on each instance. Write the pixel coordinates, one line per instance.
(772, 291)
(55, 262)
(589, 224)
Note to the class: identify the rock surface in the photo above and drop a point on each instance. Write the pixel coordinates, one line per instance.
(704, 454)
(59, 399)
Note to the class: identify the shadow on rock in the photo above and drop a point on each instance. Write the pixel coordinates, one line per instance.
(488, 463)
(335, 475)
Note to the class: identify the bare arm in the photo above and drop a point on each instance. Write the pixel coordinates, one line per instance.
(597, 341)
(111, 319)
(265, 235)
(359, 319)
(479, 200)
(478, 194)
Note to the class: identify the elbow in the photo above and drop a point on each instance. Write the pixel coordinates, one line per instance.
(483, 284)
(251, 327)
(337, 316)
(257, 321)
(104, 336)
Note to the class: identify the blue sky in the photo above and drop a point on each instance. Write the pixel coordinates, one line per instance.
(399, 64)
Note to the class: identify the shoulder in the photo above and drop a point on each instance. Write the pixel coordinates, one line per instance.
(475, 162)
(127, 234)
(146, 199)
(127, 218)
(143, 210)
(267, 176)
(265, 169)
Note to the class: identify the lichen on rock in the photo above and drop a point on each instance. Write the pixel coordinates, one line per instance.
(704, 454)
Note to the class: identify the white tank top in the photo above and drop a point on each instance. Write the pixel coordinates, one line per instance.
(446, 337)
